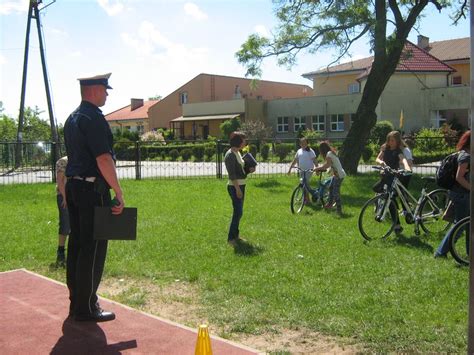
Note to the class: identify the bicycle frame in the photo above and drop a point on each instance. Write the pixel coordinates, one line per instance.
(318, 192)
(397, 189)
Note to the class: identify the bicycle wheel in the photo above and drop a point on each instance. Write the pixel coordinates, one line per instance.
(431, 212)
(459, 241)
(373, 224)
(324, 192)
(297, 199)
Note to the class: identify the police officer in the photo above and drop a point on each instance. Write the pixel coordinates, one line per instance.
(90, 174)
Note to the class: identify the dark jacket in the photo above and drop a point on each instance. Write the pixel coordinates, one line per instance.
(234, 169)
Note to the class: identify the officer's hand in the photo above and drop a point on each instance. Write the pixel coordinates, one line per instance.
(118, 204)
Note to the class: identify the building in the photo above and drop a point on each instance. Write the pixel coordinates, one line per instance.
(430, 85)
(133, 117)
(197, 108)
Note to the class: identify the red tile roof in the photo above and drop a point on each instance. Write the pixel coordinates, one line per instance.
(126, 113)
(413, 59)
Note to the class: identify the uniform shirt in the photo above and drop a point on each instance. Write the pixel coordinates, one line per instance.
(61, 168)
(305, 158)
(336, 165)
(87, 135)
(463, 157)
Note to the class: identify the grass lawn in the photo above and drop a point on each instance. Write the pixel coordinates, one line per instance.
(308, 271)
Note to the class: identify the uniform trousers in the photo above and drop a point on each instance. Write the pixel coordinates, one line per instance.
(85, 256)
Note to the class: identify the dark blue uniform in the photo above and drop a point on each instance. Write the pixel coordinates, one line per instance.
(87, 135)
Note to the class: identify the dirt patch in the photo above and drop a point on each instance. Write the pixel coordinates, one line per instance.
(178, 302)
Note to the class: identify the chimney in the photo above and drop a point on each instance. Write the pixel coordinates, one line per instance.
(135, 103)
(423, 42)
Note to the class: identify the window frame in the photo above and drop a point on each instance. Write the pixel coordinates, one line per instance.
(317, 125)
(301, 123)
(339, 121)
(284, 125)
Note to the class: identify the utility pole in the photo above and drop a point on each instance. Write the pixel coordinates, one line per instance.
(33, 12)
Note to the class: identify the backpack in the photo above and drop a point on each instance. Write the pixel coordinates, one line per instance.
(446, 173)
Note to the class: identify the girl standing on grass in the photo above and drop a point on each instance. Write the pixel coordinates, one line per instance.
(236, 184)
(305, 159)
(332, 162)
(391, 155)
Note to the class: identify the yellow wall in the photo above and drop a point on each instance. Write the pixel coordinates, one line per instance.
(333, 85)
(464, 71)
(214, 129)
(114, 125)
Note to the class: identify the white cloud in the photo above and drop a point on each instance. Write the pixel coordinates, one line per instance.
(262, 31)
(3, 60)
(194, 11)
(75, 54)
(57, 32)
(112, 7)
(7, 7)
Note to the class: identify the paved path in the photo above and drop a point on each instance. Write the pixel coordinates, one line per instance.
(33, 311)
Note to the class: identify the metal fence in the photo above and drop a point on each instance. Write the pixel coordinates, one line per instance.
(193, 159)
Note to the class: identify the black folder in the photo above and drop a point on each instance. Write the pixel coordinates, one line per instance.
(108, 226)
(249, 162)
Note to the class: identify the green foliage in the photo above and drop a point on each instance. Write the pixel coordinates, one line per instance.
(8, 128)
(167, 134)
(209, 152)
(125, 136)
(378, 134)
(256, 130)
(173, 154)
(229, 126)
(282, 150)
(367, 154)
(312, 135)
(430, 140)
(265, 151)
(198, 152)
(186, 154)
(253, 149)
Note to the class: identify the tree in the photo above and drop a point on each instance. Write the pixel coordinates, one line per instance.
(229, 126)
(315, 25)
(7, 128)
(256, 130)
(34, 128)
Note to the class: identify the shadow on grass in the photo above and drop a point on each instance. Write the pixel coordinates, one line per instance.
(413, 242)
(244, 248)
(270, 183)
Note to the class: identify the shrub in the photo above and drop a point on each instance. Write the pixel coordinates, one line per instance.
(282, 150)
(378, 134)
(209, 152)
(153, 136)
(198, 152)
(186, 154)
(253, 149)
(229, 126)
(174, 154)
(265, 151)
(367, 153)
(430, 140)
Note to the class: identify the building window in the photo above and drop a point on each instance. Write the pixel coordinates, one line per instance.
(354, 88)
(183, 98)
(438, 118)
(318, 123)
(282, 124)
(456, 80)
(140, 129)
(300, 123)
(128, 128)
(337, 123)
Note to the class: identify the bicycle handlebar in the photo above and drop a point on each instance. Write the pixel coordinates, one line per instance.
(399, 172)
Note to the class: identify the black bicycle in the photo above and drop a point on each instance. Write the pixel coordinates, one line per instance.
(318, 195)
(459, 240)
(379, 215)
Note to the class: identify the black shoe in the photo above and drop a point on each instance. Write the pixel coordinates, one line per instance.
(398, 229)
(97, 316)
(61, 261)
(437, 255)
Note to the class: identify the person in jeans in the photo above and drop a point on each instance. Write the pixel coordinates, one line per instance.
(332, 161)
(64, 228)
(305, 158)
(459, 193)
(236, 184)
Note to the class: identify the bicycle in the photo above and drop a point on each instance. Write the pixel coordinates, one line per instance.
(379, 215)
(319, 194)
(459, 240)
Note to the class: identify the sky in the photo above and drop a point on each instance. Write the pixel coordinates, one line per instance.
(152, 47)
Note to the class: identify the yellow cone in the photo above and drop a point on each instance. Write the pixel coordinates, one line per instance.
(203, 344)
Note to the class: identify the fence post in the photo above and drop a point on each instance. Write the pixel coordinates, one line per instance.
(219, 159)
(138, 172)
(53, 160)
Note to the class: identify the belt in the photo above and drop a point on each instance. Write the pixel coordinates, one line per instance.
(88, 179)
